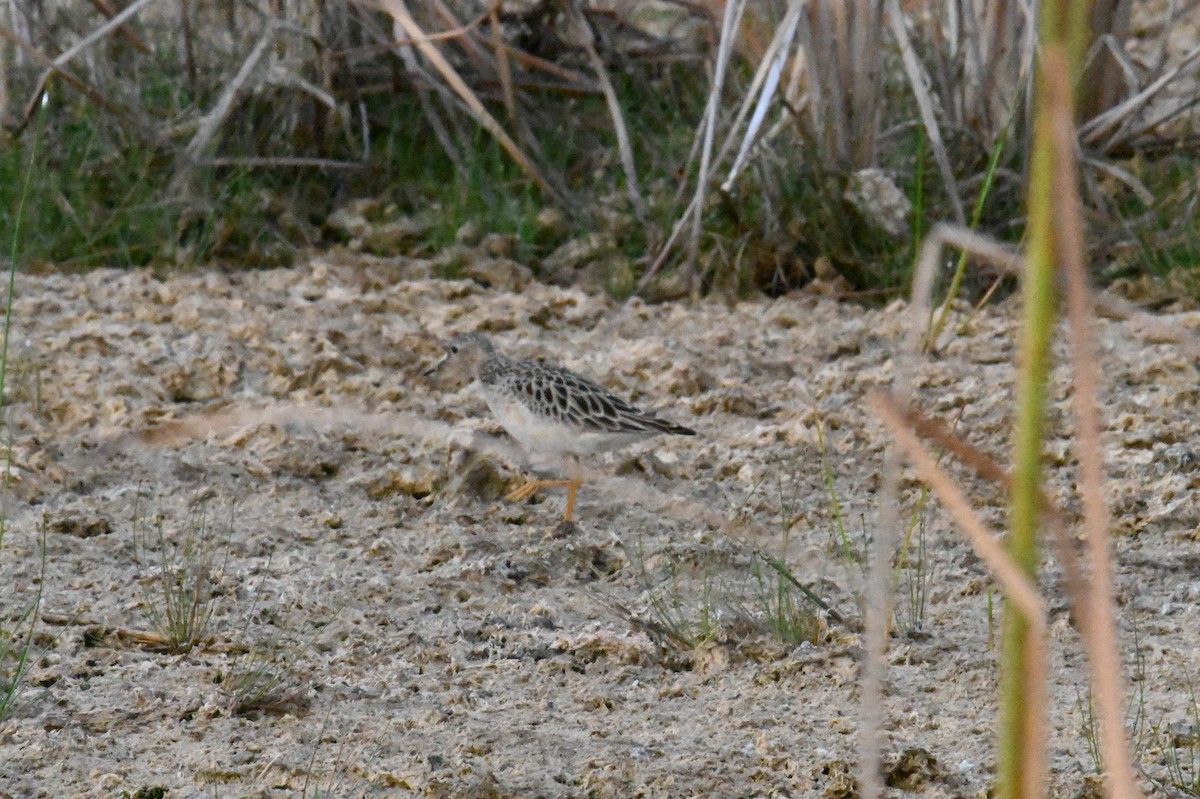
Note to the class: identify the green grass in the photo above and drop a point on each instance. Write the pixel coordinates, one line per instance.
(16, 641)
(180, 571)
(734, 594)
(99, 195)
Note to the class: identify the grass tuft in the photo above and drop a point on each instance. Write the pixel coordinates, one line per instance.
(180, 573)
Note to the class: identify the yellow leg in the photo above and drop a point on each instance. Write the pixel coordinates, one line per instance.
(572, 487)
(528, 490)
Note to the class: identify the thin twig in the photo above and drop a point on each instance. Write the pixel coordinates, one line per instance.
(107, 10)
(212, 121)
(87, 41)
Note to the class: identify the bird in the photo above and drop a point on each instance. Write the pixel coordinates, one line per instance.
(549, 409)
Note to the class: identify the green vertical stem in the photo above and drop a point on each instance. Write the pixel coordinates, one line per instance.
(1017, 722)
(1022, 722)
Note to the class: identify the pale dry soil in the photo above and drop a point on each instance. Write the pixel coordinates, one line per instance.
(384, 624)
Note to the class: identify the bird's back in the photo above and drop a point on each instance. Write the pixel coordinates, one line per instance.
(550, 408)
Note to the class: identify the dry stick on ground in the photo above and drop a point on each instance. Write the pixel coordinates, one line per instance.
(1019, 589)
(399, 12)
(1100, 637)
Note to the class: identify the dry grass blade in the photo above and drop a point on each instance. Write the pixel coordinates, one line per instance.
(1017, 586)
(917, 80)
(927, 264)
(766, 81)
(624, 149)
(729, 24)
(212, 121)
(116, 22)
(1094, 130)
(1012, 578)
(676, 231)
(1100, 638)
(87, 91)
(399, 12)
(290, 162)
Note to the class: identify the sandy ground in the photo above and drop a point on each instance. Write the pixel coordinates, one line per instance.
(383, 624)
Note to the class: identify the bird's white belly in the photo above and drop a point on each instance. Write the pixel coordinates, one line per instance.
(545, 435)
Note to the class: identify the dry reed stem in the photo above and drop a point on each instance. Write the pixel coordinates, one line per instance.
(866, 76)
(729, 24)
(117, 22)
(887, 533)
(764, 85)
(212, 121)
(587, 36)
(83, 88)
(1017, 586)
(503, 68)
(917, 81)
(1095, 129)
(1099, 626)
(108, 11)
(1142, 322)
(479, 57)
(399, 12)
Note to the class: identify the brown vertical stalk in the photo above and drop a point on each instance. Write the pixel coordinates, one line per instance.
(1099, 627)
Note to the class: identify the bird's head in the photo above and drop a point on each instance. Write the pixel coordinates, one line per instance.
(464, 354)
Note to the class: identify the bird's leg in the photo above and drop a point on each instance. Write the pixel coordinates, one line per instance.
(572, 487)
(526, 491)
(576, 474)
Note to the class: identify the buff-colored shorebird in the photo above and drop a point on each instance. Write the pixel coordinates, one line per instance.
(551, 410)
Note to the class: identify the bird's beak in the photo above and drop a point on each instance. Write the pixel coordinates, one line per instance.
(436, 367)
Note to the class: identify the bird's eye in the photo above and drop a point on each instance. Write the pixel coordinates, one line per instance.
(453, 349)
